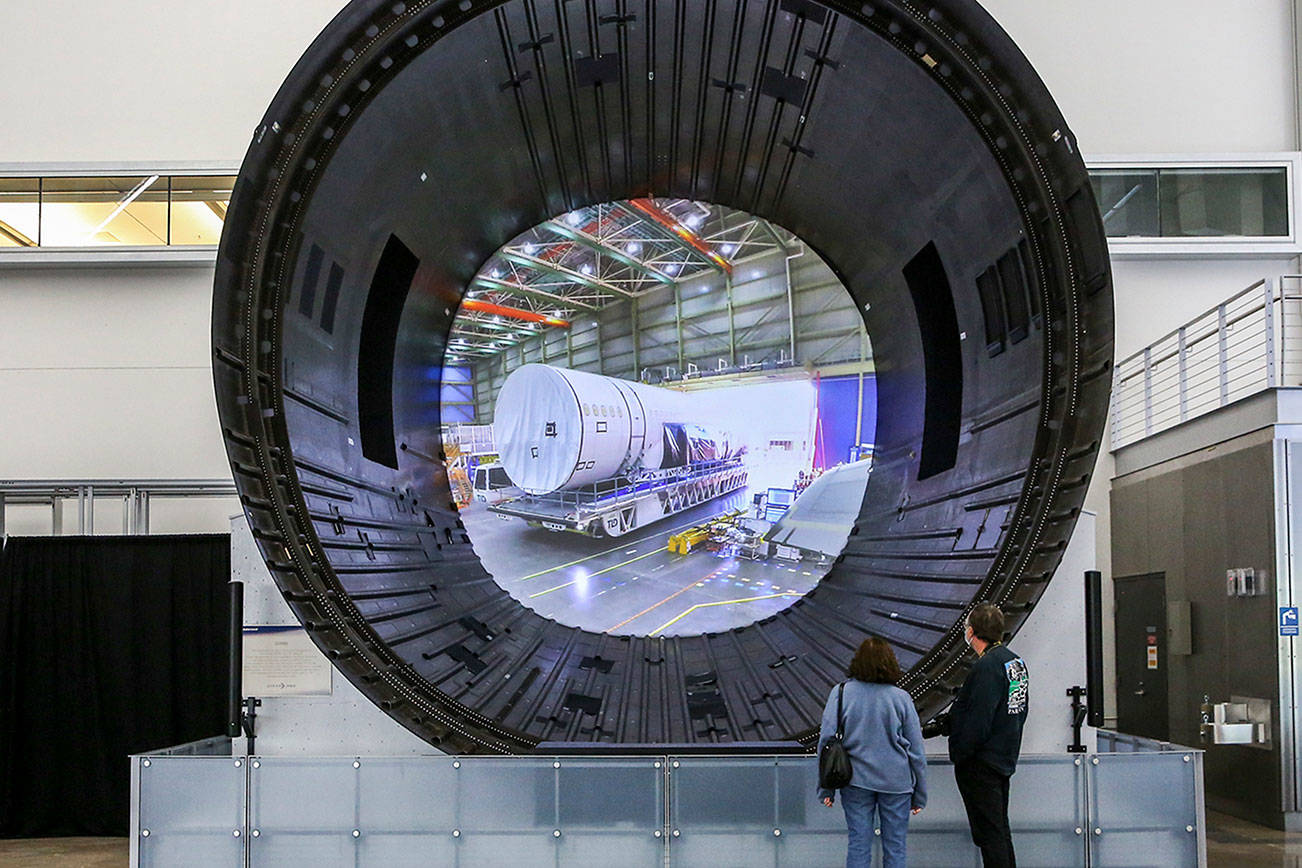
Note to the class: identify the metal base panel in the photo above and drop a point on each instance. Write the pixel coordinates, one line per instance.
(1139, 808)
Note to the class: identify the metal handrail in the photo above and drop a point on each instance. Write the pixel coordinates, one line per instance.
(1229, 323)
(1176, 331)
(1237, 349)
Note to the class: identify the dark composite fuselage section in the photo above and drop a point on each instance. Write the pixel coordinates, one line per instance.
(910, 144)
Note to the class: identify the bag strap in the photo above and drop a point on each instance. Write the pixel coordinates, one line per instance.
(840, 724)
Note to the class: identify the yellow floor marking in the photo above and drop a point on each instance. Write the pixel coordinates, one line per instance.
(598, 572)
(606, 552)
(668, 624)
(694, 584)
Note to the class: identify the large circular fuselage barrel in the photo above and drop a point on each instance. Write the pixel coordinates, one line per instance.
(911, 145)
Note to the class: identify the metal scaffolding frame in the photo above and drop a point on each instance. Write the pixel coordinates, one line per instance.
(586, 260)
(135, 496)
(787, 309)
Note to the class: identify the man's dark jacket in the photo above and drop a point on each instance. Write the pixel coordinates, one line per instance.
(986, 721)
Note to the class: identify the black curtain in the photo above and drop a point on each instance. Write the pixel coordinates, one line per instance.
(108, 646)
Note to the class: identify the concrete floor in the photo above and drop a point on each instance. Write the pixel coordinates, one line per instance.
(632, 584)
(1231, 843)
(1235, 843)
(64, 852)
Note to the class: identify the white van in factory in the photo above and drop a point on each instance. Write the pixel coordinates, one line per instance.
(492, 485)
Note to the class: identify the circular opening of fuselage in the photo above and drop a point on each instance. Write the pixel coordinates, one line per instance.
(659, 417)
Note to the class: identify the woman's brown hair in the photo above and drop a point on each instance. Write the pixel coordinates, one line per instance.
(875, 662)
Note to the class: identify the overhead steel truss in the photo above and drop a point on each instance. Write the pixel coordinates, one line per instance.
(605, 254)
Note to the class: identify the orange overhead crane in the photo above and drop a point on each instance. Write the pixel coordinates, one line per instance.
(660, 216)
(480, 306)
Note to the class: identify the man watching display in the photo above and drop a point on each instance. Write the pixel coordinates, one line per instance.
(984, 726)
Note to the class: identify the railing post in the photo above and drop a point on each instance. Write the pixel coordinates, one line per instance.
(1268, 318)
(1183, 362)
(1223, 355)
(1116, 407)
(1283, 332)
(1148, 391)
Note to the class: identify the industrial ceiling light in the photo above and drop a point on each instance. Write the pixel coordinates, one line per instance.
(991, 409)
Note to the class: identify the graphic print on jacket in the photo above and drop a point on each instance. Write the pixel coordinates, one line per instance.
(1018, 685)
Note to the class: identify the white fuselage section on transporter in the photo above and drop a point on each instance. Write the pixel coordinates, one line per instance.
(603, 456)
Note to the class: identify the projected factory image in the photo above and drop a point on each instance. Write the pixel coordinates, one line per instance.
(673, 499)
(607, 379)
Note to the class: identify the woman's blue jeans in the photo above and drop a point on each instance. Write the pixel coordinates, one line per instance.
(892, 813)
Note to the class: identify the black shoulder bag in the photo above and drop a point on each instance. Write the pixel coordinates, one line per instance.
(834, 771)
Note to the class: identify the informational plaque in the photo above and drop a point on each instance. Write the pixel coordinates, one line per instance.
(282, 661)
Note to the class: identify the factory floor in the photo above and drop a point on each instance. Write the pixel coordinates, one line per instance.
(1231, 843)
(64, 852)
(1240, 844)
(633, 584)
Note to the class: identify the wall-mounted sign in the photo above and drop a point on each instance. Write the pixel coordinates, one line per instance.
(282, 661)
(1246, 582)
(1288, 621)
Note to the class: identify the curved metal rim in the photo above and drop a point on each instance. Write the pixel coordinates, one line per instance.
(954, 41)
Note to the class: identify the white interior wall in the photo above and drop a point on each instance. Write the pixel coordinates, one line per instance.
(137, 80)
(106, 374)
(1173, 76)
